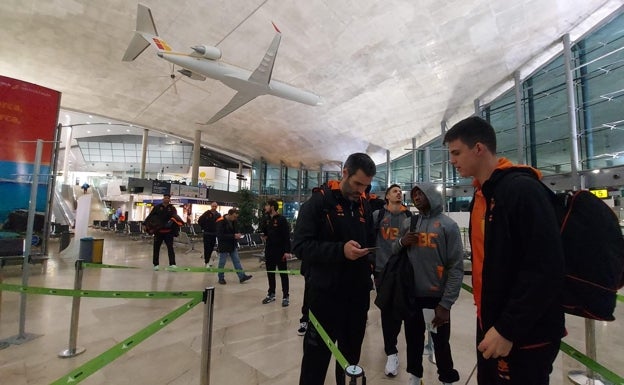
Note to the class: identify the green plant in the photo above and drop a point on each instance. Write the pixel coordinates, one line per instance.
(248, 204)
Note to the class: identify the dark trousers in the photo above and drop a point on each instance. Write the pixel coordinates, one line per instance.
(531, 365)
(159, 238)
(275, 263)
(343, 316)
(305, 306)
(210, 240)
(390, 328)
(415, 339)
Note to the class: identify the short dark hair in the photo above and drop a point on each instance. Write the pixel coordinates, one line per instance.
(360, 161)
(390, 188)
(167, 195)
(232, 211)
(273, 203)
(472, 130)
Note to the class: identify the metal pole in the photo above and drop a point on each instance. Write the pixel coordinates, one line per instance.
(29, 233)
(588, 377)
(75, 313)
(208, 299)
(388, 169)
(569, 76)
(144, 152)
(443, 167)
(519, 118)
(3, 344)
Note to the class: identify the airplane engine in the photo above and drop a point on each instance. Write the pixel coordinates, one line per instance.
(209, 52)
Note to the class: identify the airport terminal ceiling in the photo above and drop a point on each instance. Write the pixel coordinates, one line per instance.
(387, 72)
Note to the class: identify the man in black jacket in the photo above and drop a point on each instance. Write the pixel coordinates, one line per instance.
(166, 226)
(517, 260)
(332, 234)
(277, 250)
(228, 236)
(208, 223)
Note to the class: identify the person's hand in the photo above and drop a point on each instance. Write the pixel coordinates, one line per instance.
(409, 239)
(494, 345)
(442, 316)
(285, 257)
(353, 250)
(238, 236)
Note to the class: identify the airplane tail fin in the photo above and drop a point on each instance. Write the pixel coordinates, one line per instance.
(144, 35)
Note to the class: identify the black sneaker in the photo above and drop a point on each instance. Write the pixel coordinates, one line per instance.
(285, 302)
(268, 299)
(245, 278)
(222, 282)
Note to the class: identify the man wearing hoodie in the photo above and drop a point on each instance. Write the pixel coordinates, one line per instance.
(517, 260)
(436, 253)
(387, 221)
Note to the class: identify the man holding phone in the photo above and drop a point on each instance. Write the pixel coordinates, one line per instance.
(332, 234)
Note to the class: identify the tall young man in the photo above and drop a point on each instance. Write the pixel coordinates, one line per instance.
(208, 223)
(276, 232)
(332, 235)
(166, 220)
(517, 260)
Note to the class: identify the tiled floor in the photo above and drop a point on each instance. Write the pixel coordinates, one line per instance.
(251, 343)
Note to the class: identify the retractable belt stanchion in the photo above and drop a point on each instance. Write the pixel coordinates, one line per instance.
(354, 372)
(208, 299)
(588, 377)
(75, 313)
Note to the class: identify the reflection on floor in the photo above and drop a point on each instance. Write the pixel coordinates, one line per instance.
(252, 343)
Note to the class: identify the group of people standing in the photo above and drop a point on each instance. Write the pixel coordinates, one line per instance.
(344, 245)
(517, 266)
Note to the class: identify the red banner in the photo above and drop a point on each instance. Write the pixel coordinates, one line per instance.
(27, 112)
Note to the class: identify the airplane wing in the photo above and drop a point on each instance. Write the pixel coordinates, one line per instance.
(240, 99)
(262, 74)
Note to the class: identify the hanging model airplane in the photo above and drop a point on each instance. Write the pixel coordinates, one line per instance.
(204, 62)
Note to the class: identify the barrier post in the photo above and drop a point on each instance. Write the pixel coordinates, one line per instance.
(588, 377)
(207, 336)
(75, 313)
(354, 372)
(3, 344)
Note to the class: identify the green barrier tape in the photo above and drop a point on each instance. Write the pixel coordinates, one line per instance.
(79, 374)
(104, 266)
(580, 357)
(99, 293)
(204, 270)
(620, 297)
(217, 270)
(328, 341)
(291, 272)
(591, 364)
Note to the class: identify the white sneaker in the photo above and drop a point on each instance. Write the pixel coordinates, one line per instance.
(413, 380)
(208, 266)
(155, 267)
(303, 327)
(392, 365)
